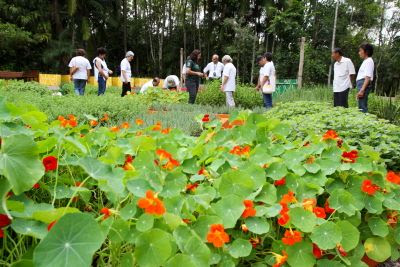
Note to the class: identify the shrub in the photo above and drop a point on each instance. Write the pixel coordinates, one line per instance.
(22, 87)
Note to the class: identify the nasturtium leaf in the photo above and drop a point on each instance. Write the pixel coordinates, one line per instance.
(312, 168)
(273, 210)
(257, 174)
(230, 209)
(143, 143)
(204, 195)
(377, 249)
(300, 255)
(29, 228)
(396, 234)
(240, 248)
(267, 194)
(119, 231)
(172, 220)
(145, 222)
(71, 242)
(328, 166)
(153, 248)
(13, 205)
(342, 201)
(174, 184)
(138, 187)
(392, 204)
(236, 183)
(180, 260)
(378, 226)
(350, 235)
(46, 145)
(276, 170)
(330, 263)
(19, 162)
(373, 205)
(257, 225)
(23, 263)
(48, 216)
(203, 224)
(303, 219)
(327, 235)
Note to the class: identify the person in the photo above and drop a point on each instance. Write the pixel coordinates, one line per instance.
(365, 76)
(172, 83)
(228, 85)
(267, 78)
(79, 70)
(193, 75)
(152, 83)
(343, 74)
(101, 71)
(126, 73)
(214, 68)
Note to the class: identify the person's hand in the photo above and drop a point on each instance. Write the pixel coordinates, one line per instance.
(222, 88)
(70, 77)
(258, 87)
(200, 74)
(110, 72)
(360, 94)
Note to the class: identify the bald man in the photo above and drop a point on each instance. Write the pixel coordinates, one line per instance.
(213, 70)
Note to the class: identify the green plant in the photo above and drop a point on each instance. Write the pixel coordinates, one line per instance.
(22, 87)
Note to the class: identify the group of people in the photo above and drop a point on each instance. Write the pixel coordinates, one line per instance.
(344, 74)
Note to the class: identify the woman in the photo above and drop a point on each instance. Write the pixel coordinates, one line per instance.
(228, 85)
(101, 71)
(365, 76)
(267, 80)
(193, 75)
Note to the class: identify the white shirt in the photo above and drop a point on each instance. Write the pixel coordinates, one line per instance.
(341, 74)
(184, 69)
(171, 77)
(146, 86)
(126, 66)
(269, 70)
(83, 65)
(366, 69)
(103, 65)
(212, 68)
(230, 72)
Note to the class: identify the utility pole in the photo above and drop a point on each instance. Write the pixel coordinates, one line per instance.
(301, 63)
(333, 40)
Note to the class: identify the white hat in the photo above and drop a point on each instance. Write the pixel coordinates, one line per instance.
(129, 54)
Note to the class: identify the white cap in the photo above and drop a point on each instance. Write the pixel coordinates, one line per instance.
(129, 54)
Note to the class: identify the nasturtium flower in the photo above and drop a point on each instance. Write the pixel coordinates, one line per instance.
(106, 211)
(93, 123)
(341, 250)
(192, 187)
(114, 129)
(310, 160)
(283, 219)
(105, 117)
(50, 225)
(217, 235)
(125, 125)
(339, 143)
(254, 241)
(319, 212)
(291, 237)
(172, 163)
(240, 151)
(330, 135)
(187, 221)
(163, 154)
(393, 177)
(368, 187)
(139, 122)
(249, 209)
(1, 233)
(50, 163)
(71, 121)
(78, 184)
(244, 228)
(166, 130)
(157, 126)
(4, 220)
(327, 208)
(128, 163)
(288, 198)
(280, 182)
(317, 252)
(151, 204)
(350, 157)
(392, 218)
(36, 186)
(203, 171)
(206, 118)
(309, 204)
(280, 259)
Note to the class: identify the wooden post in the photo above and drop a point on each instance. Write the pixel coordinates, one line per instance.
(180, 67)
(301, 63)
(333, 41)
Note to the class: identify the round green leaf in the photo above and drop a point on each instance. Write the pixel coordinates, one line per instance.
(119, 231)
(240, 248)
(378, 226)
(300, 255)
(276, 170)
(180, 260)
(145, 222)
(230, 209)
(377, 249)
(128, 211)
(29, 227)
(71, 242)
(327, 235)
(153, 248)
(350, 235)
(303, 219)
(203, 224)
(397, 234)
(257, 225)
(236, 183)
(48, 216)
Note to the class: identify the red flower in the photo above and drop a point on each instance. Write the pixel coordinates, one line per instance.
(206, 118)
(280, 259)
(254, 241)
(36, 186)
(128, 163)
(151, 204)
(51, 225)
(291, 237)
(316, 251)
(330, 134)
(187, 221)
(327, 208)
(4, 220)
(217, 235)
(350, 157)
(192, 187)
(240, 151)
(1, 233)
(368, 187)
(50, 163)
(171, 164)
(249, 209)
(339, 143)
(319, 212)
(107, 213)
(78, 184)
(283, 219)
(280, 182)
(163, 154)
(393, 177)
(203, 171)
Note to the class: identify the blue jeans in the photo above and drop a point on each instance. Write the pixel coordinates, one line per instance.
(363, 102)
(267, 101)
(102, 85)
(79, 86)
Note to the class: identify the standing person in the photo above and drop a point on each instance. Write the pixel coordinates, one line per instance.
(228, 85)
(267, 79)
(344, 73)
(214, 68)
(171, 82)
(101, 71)
(152, 83)
(79, 69)
(193, 75)
(365, 76)
(126, 72)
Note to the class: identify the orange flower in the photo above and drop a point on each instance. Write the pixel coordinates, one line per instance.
(291, 237)
(78, 184)
(327, 208)
(171, 164)
(163, 154)
(93, 123)
(283, 219)
(139, 122)
(71, 121)
(368, 187)
(105, 117)
(393, 177)
(203, 171)
(317, 252)
(288, 198)
(244, 228)
(151, 204)
(254, 241)
(157, 126)
(280, 259)
(239, 151)
(192, 187)
(114, 129)
(280, 182)
(309, 203)
(125, 125)
(217, 235)
(128, 163)
(350, 157)
(330, 134)
(166, 131)
(310, 160)
(249, 209)
(319, 212)
(107, 213)
(187, 221)
(392, 218)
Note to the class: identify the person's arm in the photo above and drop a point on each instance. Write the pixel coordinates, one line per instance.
(88, 73)
(72, 70)
(364, 87)
(100, 69)
(206, 69)
(352, 73)
(193, 73)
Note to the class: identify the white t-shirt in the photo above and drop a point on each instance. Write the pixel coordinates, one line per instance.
(126, 66)
(184, 69)
(171, 77)
(269, 70)
(83, 65)
(341, 74)
(96, 71)
(146, 86)
(366, 69)
(212, 68)
(230, 72)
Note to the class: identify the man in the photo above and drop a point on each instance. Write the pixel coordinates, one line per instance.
(152, 83)
(126, 73)
(365, 76)
(101, 71)
(344, 74)
(228, 85)
(172, 83)
(214, 68)
(79, 69)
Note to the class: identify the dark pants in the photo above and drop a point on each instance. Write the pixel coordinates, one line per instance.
(267, 101)
(126, 87)
(102, 85)
(192, 87)
(79, 86)
(363, 102)
(341, 99)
